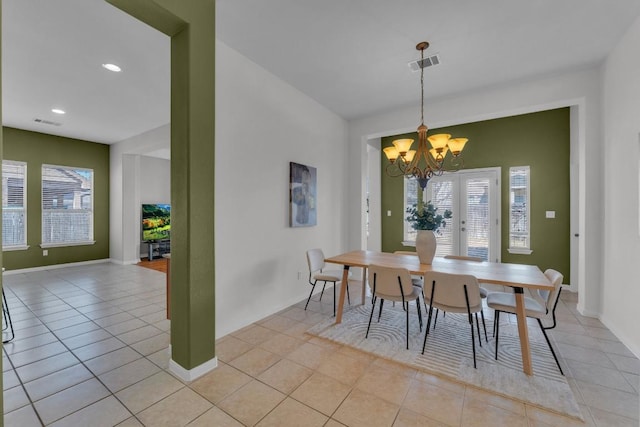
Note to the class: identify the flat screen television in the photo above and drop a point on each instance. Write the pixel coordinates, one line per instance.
(156, 222)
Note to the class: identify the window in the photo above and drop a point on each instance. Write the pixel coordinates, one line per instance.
(67, 206)
(439, 194)
(14, 205)
(519, 228)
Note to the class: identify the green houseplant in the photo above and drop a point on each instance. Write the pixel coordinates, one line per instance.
(428, 219)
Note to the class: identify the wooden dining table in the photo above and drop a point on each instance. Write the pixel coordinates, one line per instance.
(516, 276)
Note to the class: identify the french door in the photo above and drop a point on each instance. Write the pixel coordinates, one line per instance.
(473, 197)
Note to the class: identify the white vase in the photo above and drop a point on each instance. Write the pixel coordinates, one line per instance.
(426, 246)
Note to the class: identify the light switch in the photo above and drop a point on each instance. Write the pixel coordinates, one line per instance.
(551, 214)
(388, 213)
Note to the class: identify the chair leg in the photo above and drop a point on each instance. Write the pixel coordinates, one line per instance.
(419, 313)
(310, 293)
(473, 344)
(496, 325)
(5, 308)
(407, 327)
(334, 298)
(322, 292)
(380, 313)
(495, 317)
(473, 338)
(4, 316)
(424, 344)
(550, 346)
(478, 326)
(484, 325)
(435, 319)
(373, 307)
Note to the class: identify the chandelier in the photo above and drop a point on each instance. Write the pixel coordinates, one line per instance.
(427, 161)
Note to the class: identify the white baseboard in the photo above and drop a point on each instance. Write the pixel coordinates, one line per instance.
(121, 262)
(55, 266)
(192, 374)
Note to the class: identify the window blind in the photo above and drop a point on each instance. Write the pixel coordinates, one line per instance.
(67, 205)
(519, 207)
(14, 204)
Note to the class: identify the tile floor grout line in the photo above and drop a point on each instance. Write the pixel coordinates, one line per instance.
(86, 367)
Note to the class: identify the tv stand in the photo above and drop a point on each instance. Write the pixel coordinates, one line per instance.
(157, 248)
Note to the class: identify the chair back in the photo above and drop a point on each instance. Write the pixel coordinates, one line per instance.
(549, 298)
(464, 258)
(389, 280)
(315, 260)
(449, 290)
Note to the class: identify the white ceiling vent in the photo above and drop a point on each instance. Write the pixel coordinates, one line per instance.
(47, 122)
(429, 61)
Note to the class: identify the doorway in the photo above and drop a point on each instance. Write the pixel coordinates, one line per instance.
(473, 197)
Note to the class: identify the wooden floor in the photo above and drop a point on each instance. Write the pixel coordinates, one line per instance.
(156, 264)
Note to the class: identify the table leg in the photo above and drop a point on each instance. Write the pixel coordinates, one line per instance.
(343, 291)
(523, 331)
(364, 283)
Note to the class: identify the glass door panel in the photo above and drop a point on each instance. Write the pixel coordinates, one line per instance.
(473, 198)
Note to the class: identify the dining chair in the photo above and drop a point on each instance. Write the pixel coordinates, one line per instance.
(315, 261)
(6, 314)
(538, 307)
(483, 291)
(393, 284)
(454, 293)
(416, 280)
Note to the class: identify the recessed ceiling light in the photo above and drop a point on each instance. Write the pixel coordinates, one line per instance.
(57, 111)
(112, 67)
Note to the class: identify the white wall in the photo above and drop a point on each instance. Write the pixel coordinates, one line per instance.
(580, 90)
(262, 124)
(154, 180)
(125, 191)
(621, 290)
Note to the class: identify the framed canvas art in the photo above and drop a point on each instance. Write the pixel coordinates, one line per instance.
(302, 195)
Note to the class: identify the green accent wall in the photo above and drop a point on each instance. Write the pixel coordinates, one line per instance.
(37, 149)
(539, 140)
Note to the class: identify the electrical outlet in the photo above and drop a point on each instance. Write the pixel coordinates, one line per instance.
(45, 252)
(299, 275)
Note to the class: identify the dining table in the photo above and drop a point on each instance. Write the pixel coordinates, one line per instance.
(516, 276)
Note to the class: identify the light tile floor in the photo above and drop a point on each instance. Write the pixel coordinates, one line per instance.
(91, 350)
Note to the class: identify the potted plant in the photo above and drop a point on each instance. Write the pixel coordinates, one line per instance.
(427, 221)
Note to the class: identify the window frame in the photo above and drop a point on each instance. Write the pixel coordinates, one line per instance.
(91, 233)
(523, 250)
(21, 246)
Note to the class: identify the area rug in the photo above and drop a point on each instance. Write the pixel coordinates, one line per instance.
(448, 353)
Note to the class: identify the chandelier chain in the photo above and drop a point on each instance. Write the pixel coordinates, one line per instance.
(422, 86)
(424, 163)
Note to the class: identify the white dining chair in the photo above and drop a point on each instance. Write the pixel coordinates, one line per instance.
(317, 273)
(393, 284)
(453, 293)
(541, 304)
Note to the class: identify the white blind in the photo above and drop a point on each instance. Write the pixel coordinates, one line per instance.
(519, 207)
(14, 204)
(67, 205)
(440, 193)
(478, 217)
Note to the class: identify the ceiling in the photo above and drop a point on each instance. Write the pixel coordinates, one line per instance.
(351, 56)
